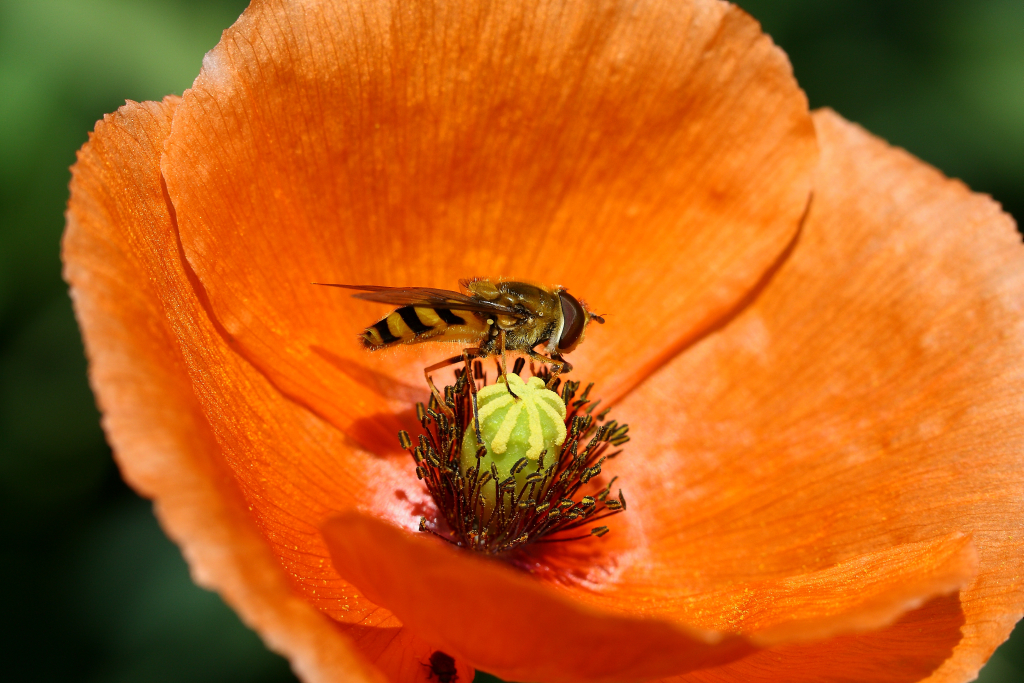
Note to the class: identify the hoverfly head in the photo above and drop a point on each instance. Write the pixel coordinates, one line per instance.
(575, 316)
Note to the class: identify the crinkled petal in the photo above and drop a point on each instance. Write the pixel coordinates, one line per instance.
(868, 399)
(508, 622)
(654, 157)
(522, 628)
(906, 652)
(835, 473)
(172, 390)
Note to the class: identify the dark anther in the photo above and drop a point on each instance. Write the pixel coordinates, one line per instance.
(421, 472)
(520, 464)
(515, 542)
(569, 390)
(421, 412)
(599, 531)
(590, 472)
(603, 495)
(580, 424)
(404, 440)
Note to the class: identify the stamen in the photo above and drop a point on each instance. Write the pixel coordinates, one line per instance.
(524, 484)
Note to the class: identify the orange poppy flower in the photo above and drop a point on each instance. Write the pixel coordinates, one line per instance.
(816, 339)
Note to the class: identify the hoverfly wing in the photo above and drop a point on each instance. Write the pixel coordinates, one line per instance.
(423, 296)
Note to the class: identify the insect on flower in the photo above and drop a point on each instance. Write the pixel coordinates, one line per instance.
(501, 316)
(442, 666)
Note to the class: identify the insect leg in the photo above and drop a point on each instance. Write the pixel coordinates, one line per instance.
(563, 366)
(504, 365)
(560, 365)
(442, 406)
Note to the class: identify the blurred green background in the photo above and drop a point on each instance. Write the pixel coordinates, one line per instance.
(93, 591)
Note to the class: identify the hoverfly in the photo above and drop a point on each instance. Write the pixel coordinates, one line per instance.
(499, 316)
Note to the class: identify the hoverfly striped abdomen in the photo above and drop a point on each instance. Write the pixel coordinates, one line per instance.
(412, 324)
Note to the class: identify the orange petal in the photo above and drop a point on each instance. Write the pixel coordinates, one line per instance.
(906, 652)
(655, 158)
(506, 621)
(521, 629)
(171, 390)
(862, 593)
(868, 399)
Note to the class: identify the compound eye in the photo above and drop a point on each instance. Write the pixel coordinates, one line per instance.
(573, 320)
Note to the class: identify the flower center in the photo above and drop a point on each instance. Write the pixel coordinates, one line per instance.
(535, 477)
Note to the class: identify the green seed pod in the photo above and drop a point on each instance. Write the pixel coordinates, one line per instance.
(514, 429)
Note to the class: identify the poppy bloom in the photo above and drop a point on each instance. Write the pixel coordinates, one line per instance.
(815, 338)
